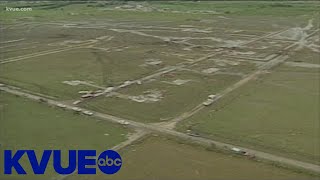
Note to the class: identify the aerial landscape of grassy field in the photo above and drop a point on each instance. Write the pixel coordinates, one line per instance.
(30, 125)
(269, 125)
(160, 158)
(230, 88)
(174, 99)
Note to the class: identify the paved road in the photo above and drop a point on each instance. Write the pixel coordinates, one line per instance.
(165, 131)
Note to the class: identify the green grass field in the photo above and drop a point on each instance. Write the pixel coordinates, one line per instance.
(122, 41)
(175, 100)
(160, 158)
(277, 113)
(25, 124)
(306, 56)
(104, 69)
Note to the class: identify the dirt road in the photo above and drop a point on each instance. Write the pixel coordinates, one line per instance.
(165, 131)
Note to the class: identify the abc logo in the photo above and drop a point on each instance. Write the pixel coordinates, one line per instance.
(109, 162)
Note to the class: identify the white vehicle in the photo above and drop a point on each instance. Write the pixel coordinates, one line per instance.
(127, 82)
(238, 150)
(61, 105)
(98, 91)
(76, 102)
(87, 113)
(208, 102)
(123, 122)
(109, 89)
(84, 92)
(87, 96)
(212, 96)
(122, 85)
(76, 109)
(193, 134)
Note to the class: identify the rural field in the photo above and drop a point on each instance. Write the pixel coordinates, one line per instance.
(236, 84)
(31, 125)
(276, 112)
(160, 158)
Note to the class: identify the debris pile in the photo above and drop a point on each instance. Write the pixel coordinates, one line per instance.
(210, 70)
(178, 82)
(148, 96)
(152, 62)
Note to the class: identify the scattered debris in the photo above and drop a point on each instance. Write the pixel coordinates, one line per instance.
(178, 82)
(221, 62)
(299, 34)
(210, 70)
(236, 31)
(223, 17)
(152, 62)
(118, 50)
(249, 155)
(187, 49)
(98, 91)
(73, 14)
(66, 43)
(73, 83)
(104, 37)
(126, 83)
(302, 64)
(165, 118)
(196, 30)
(137, 7)
(194, 134)
(138, 98)
(42, 100)
(148, 96)
(186, 26)
(242, 53)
